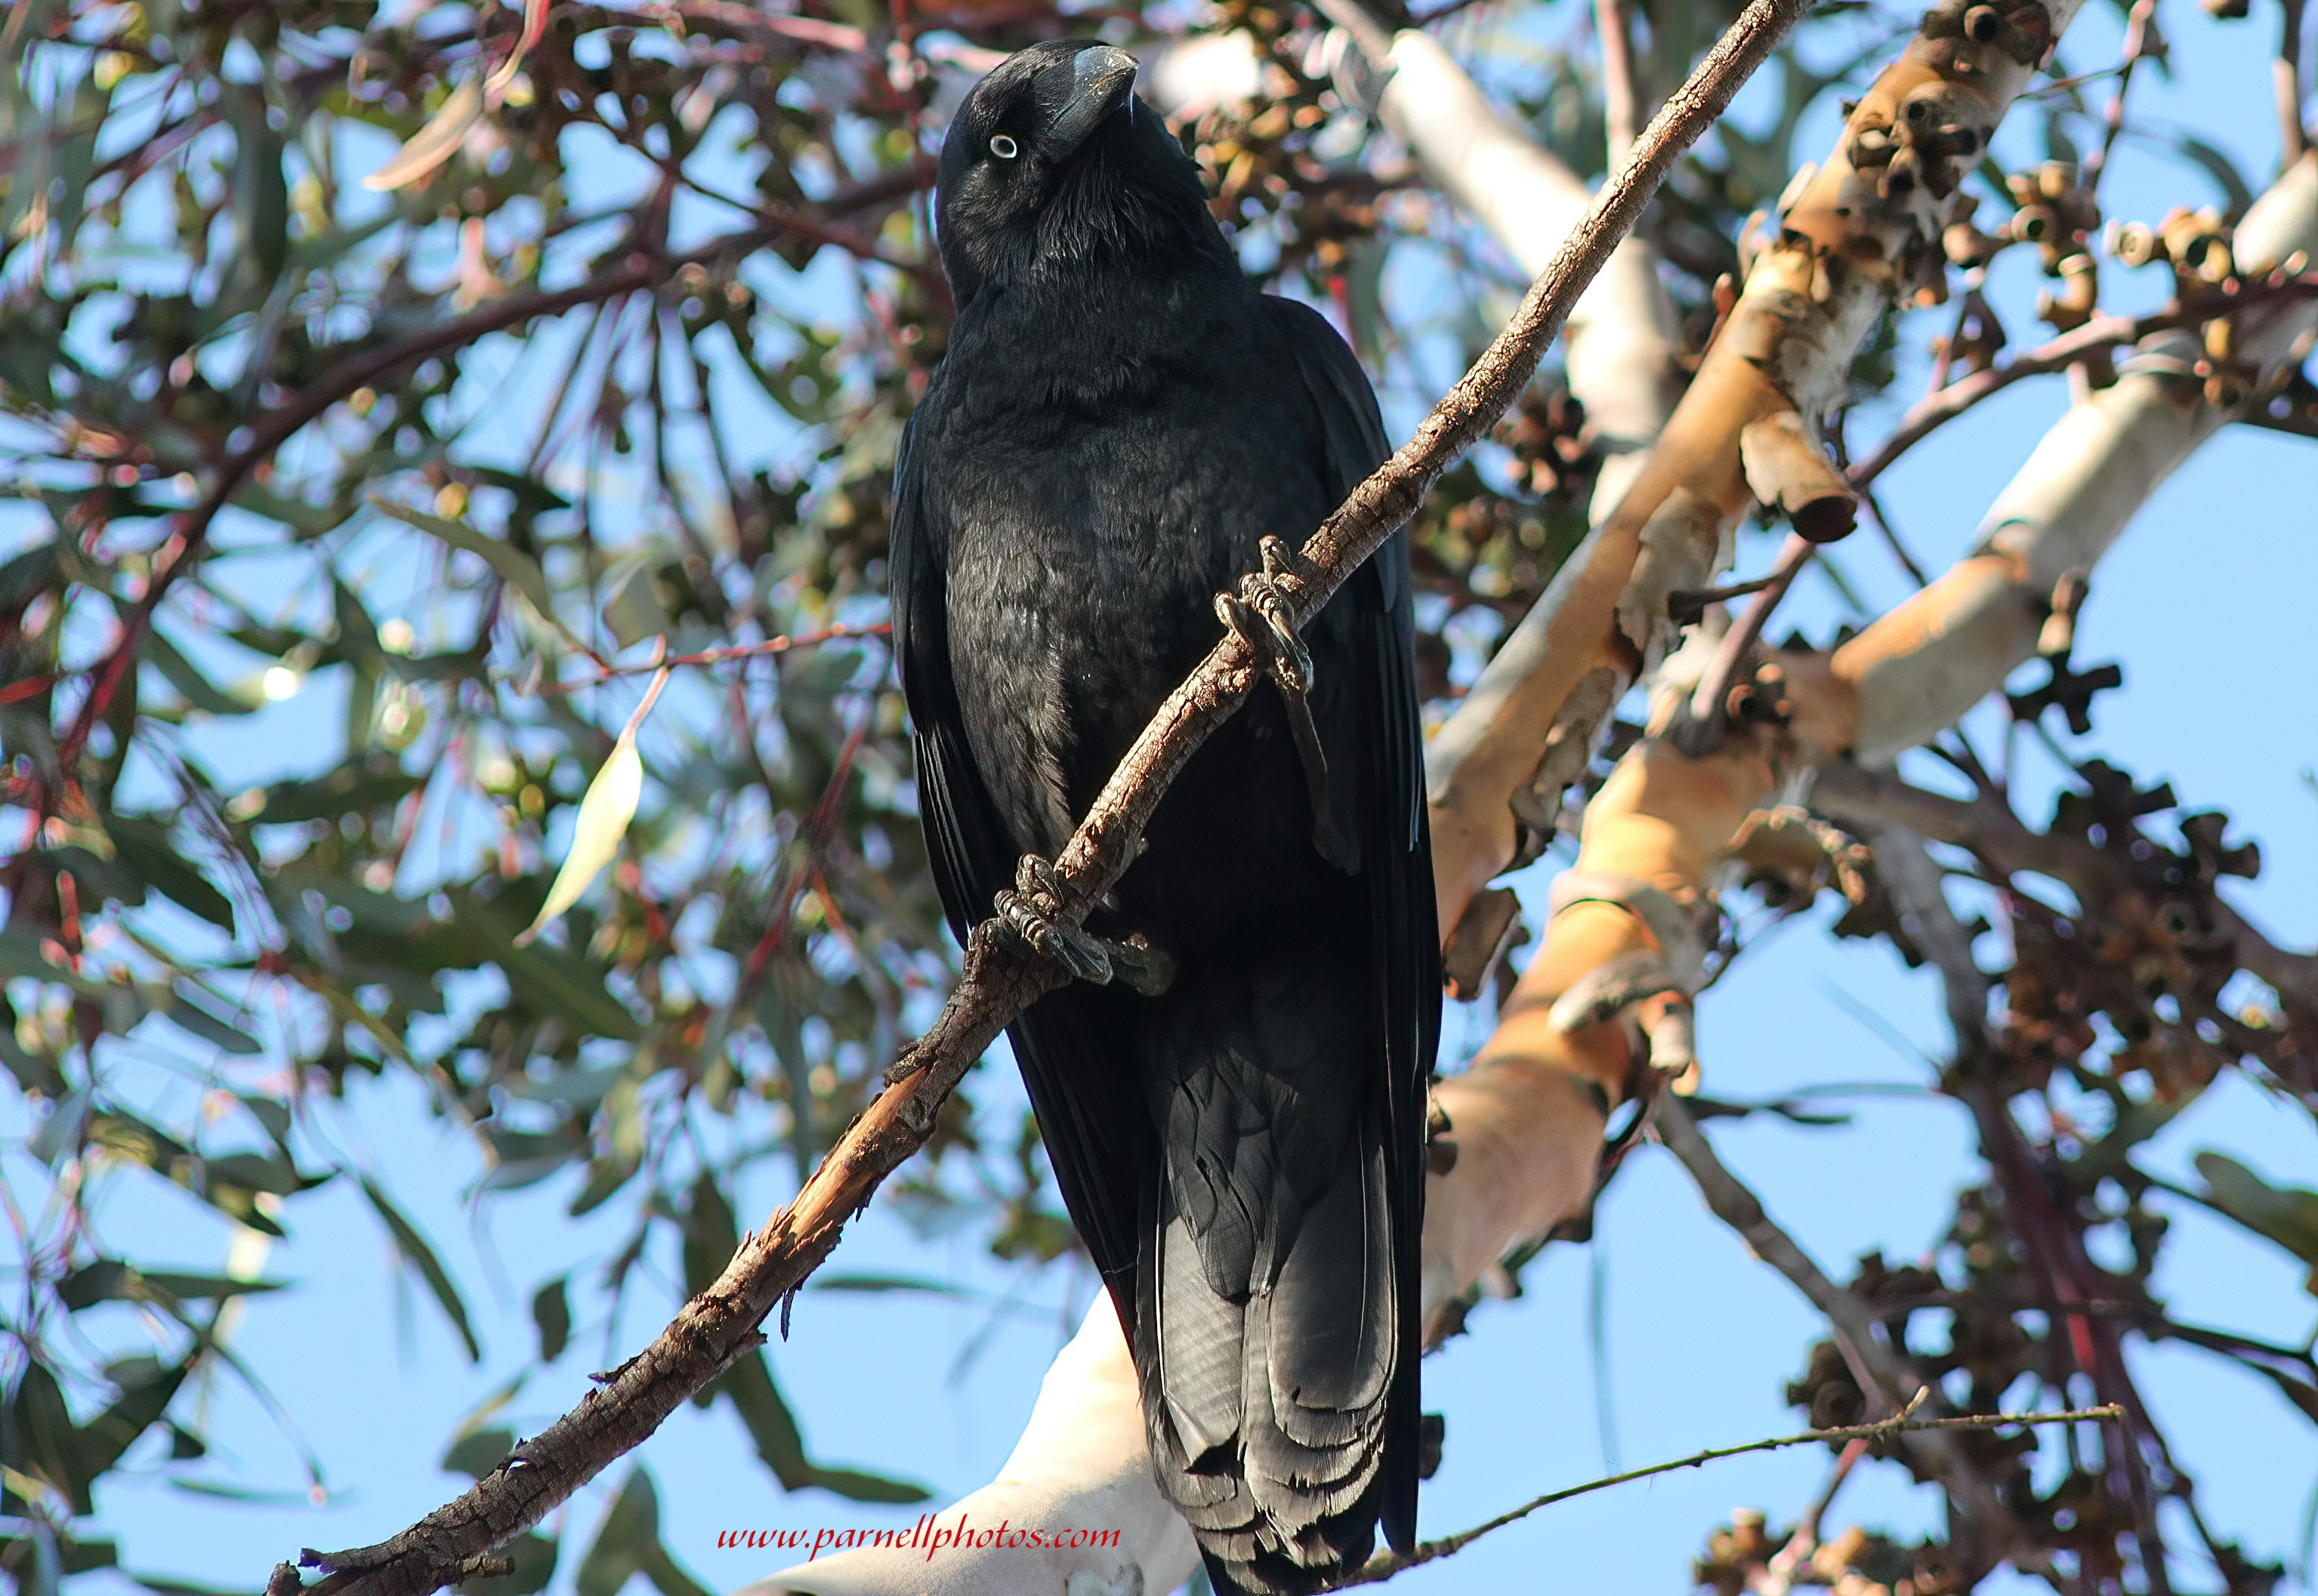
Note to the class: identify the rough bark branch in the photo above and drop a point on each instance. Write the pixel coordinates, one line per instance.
(1000, 981)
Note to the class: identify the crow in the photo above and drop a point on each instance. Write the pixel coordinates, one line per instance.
(1122, 424)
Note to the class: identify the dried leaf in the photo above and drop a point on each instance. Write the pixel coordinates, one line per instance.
(433, 144)
(604, 815)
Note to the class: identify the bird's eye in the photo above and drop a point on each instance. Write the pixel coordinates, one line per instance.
(1004, 148)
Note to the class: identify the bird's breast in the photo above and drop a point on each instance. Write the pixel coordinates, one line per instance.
(1085, 553)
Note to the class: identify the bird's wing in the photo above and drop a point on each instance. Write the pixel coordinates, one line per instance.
(1093, 1120)
(965, 836)
(1379, 735)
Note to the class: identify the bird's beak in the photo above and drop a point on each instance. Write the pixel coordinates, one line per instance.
(1102, 79)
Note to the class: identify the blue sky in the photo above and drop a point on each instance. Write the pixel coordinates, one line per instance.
(2207, 605)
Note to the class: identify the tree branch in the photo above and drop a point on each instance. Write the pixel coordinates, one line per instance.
(2102, 332)
(1849, 242)
(1525, 1120)
(188, 539)
(1383, 1568)
(1883, 1371)
(1000, 980)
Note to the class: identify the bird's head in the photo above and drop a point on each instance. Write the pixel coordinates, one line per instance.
(1052, 161)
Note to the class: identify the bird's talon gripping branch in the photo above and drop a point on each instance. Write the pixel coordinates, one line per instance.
(1264, 618)
(1032, 910)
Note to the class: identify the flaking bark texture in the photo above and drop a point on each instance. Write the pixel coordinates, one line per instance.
(1854, 236)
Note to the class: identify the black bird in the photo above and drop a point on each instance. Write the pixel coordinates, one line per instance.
(1119, 424)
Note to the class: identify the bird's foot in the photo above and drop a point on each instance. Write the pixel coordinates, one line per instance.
(1143, 966)
(1032, 910)
(1264, 618)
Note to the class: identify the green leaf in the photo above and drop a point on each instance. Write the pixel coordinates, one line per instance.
(479, 1452)
(2222, 170)
(712, 1234)
(633, 611)
(143, 1399)
(144, 846)
(190, 1017)
(110, 1279)
(197, 690)
(882, 1283)
(551, 1311)
(419, 1256)
(669, 1577)
(2287, 1215)
(773, 1428)
(42, 1441)
(518, 569)
(626, 1541)
(230, 1183)
(363, 783)
(548, 980)
(72, 1556)
(261, 195)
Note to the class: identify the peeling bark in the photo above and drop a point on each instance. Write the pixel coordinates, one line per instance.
(1856, 236)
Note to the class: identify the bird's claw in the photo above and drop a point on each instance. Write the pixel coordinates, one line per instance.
(1265, 616)
(1143, 967)
(1262, 615)
(1031, 910)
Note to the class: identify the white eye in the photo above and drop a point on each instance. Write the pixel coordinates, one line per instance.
(1004, 148)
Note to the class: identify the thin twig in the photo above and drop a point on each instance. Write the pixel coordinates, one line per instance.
(2293, 138)
(1881, 1370)
(1001, 979)
(1621, 96)
(2102, 332)
(1708, 705)
(2137, 24)
(761, 649)
(1380, 1569)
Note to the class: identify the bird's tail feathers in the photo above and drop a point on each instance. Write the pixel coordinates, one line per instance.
(1271, 1416)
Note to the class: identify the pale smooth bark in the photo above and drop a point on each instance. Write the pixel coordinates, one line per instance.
(1081, 1465)
(1920, 666)
(1620, 345)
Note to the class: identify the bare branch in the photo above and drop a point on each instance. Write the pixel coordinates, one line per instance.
(1383, 1568)
(2102, 332)
(1621, 98)
(1882, 1371)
